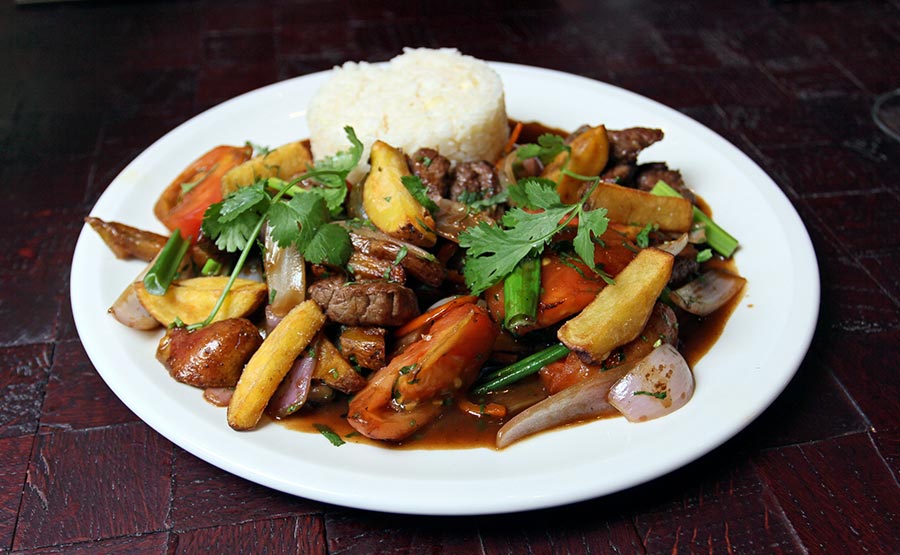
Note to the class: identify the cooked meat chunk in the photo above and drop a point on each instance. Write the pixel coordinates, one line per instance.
(433, 169)
(685, 267)
(620, 174)
(366, 345)
(413, 260)
(212, 356)
(474, 181)
(626, 144)
(649, 174)
(365, 303)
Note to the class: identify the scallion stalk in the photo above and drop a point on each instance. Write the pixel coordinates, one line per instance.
(520, 369)
(719, 239)
(521, 290)
(160, 276)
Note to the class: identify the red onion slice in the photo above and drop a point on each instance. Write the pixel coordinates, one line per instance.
(294, 389)
(579, 402)
(712, 289)
(285, 276)
(219, 396)
(128, 310)
(675, 246)
(659, 384)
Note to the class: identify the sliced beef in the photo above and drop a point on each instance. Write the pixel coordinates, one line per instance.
(620, 174)
(649, 174)
(626, 144)
(365, 303)
(433, 169)
(474, 181)
(414, 260)
(685, 267)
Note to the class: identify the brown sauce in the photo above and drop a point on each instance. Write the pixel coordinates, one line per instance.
(458, 430)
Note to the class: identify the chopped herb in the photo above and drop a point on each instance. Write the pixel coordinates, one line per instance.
(425, 161)
(547, 147)
(272, 294)
(643, 237)
(417, 189)
(704, 255)
(330, 435)
(258, 150)
(494, 251)
(333, 373)
(661, 395)
(658, 342)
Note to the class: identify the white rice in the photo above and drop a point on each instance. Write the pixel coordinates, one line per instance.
(422, 98)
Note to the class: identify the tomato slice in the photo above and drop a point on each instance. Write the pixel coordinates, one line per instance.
(185, 200)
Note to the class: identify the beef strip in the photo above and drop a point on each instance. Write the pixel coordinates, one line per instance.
(620, 174)
(474, 181)
(433, 169)
(365, 303)
(685, 267)
(649, 174)
(626, 144)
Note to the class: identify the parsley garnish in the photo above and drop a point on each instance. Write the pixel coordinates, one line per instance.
(494, 251)
(643, 237)
(660, 395)
(330, 435)
(258, 150)
(549, 145)
(417, 189)
(303, 221)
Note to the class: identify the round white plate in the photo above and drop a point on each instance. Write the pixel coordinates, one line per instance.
(756, 356)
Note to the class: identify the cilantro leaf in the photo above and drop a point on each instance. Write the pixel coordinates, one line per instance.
(643, 237)
(549, 145)
(230, 223)
(304, 222)
(593, 222)
(416, 188)
(332, 171)
(329, 245)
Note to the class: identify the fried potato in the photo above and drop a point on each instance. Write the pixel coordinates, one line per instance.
(333, 369)
(389, 205)
(285, 162)
(271, 363)
(631, 206)
(590, 152)
(193, 299)
(619, 312)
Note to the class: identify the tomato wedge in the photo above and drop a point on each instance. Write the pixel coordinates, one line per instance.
(183, 203)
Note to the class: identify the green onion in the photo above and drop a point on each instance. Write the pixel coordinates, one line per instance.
(718, 238)
(211, 268)
(521, 290)
(164, 270)
(518, 370)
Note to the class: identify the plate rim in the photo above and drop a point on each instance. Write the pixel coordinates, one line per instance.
(787, 215)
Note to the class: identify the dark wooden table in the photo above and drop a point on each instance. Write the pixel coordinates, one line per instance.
(85, 87)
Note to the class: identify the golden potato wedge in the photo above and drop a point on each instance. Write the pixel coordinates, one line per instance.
(619, 312)
(590, 152)
(271, 362)
(285, 162)
(193, 299)
(333, 369)
(389, 205)
(631, 206)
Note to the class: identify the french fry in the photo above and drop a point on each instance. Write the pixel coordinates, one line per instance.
(333, 369)
(193, 299)
(271, 363)
(590, 152)
(631, 206)
(619, 312)
(284, 162)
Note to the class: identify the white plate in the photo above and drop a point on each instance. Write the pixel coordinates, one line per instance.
(761, 348)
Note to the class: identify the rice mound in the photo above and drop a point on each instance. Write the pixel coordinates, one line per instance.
(423, 98)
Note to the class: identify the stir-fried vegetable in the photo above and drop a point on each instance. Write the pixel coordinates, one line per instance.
(557, 251)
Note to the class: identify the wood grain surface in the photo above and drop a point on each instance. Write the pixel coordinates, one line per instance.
(86, 86)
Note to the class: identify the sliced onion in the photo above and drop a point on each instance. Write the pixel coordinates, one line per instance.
(285, 275)
(294, 389)
(712, 289)
(128, 310)
(219, 396)
(659, 384)
(697, 234)
(452, 218)
(579, 402)
(675, 246)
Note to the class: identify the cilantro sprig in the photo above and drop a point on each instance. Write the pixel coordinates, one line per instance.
(547, 147)
(303, 221)
(493, 252)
